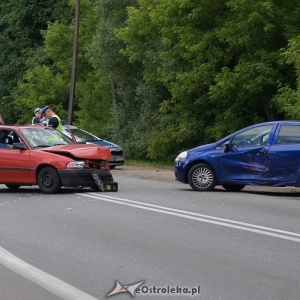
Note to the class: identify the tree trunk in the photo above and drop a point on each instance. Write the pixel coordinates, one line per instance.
(269, 111)
(114, 101)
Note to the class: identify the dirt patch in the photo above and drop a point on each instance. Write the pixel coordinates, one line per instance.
(167, 174)
(164, 174)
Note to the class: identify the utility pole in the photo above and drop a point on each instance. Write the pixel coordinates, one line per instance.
(74, 63)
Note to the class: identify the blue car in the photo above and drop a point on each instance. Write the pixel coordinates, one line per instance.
(82, 136)
(265, 154)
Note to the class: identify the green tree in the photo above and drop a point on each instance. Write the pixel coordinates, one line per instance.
(20, 39)
(133, 99)
(161, 76)
(287, 101)
(47, 82)
(219, 60)
(176, 43)
(50, 83)
(254, 33)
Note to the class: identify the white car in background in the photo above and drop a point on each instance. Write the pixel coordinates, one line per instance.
(81, 136)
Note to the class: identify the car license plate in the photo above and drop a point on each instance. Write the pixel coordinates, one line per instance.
(118, 158)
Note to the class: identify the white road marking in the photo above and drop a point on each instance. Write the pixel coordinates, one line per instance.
(68, 292)
(41, 278)
(282, 234)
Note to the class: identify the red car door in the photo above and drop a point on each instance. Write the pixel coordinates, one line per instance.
(15, 166)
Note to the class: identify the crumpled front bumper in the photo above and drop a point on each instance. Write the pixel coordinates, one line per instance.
(99, 179)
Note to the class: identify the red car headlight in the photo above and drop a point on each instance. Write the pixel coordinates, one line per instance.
(76, 165)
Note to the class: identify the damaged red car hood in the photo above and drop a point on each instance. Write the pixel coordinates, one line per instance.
(87, 151)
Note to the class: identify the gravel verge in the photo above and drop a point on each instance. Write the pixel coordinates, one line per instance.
(164, 174)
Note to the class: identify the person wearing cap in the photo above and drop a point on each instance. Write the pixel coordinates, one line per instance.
(37, 119)
(53, 119)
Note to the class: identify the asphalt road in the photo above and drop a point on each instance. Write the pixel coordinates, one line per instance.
(159, 234)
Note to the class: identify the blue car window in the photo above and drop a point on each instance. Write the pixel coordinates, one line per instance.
(252, 137)
(222, 145)
(81, 134)
(289, 134)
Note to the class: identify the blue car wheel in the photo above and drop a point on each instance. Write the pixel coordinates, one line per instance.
(202, 177)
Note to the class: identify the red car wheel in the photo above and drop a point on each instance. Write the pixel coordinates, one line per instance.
(49, 181)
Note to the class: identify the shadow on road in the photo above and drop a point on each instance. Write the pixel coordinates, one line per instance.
(264, 191)
(275, 193)
(35, 190)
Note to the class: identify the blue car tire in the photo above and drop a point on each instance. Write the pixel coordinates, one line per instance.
(201, 177)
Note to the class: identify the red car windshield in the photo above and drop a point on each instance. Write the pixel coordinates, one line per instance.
(39, 137)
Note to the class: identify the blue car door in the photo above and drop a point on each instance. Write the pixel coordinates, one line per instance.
(284, 155)
(248, 159)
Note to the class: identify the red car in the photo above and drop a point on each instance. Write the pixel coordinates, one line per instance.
(37, 155)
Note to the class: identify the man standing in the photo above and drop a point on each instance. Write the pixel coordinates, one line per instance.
(54, 119)
(37, 119)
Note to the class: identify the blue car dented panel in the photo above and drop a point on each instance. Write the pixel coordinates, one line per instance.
(262, 154)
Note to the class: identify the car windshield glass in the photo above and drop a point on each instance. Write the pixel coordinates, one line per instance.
(39, 137)
(81, 134)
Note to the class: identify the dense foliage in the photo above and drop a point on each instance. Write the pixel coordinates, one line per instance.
(21, 44)
(156, 77)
